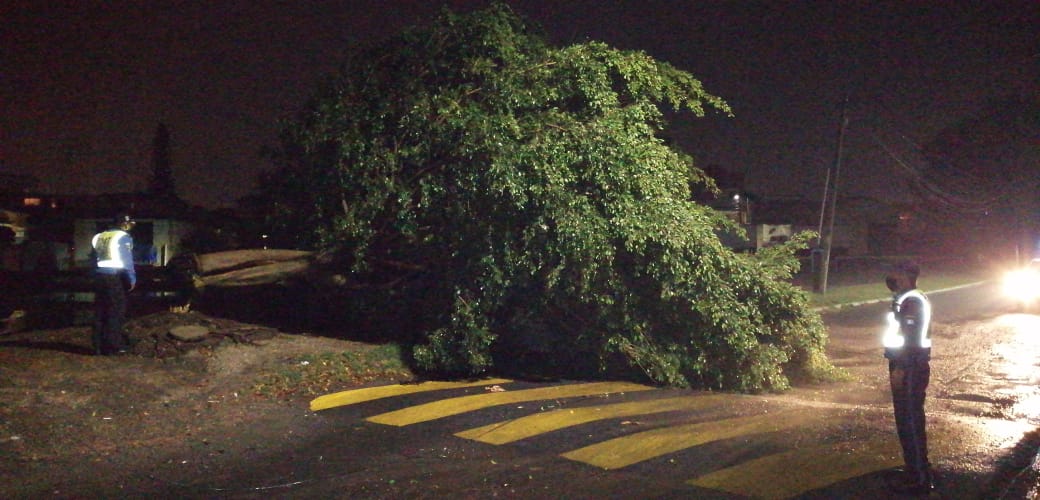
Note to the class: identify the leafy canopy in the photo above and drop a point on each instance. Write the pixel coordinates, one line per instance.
(509, 205)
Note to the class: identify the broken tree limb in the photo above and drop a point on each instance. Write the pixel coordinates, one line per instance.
(276, 272)
(273, 266)
(220, 262)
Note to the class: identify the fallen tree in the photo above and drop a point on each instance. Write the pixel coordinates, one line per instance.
(505, 204)
(248, 267)
(211, 263)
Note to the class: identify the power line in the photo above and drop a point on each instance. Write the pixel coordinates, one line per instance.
(960, 198)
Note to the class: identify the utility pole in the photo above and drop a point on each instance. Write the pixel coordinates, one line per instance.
(821, 270)
(823, 209)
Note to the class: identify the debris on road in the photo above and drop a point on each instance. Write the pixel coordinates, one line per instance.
(168, 334)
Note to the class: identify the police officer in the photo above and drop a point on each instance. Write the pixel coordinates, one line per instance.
(113, 279)
(908, 349)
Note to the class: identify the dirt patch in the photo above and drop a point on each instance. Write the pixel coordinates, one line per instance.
(65, 412)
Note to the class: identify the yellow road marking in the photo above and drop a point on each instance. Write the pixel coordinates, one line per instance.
(794, 472)
(385, 391)
(540, 423)
(634, 448)
(463, 404)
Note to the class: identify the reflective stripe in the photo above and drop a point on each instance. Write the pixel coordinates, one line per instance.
(106, 245)
(893, 336)
(926, 315)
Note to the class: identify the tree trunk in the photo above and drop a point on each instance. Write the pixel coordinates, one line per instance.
(250, 267)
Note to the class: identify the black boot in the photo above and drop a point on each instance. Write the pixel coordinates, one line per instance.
(913, 482)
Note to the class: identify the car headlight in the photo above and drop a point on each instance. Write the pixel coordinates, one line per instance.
(1023, 284)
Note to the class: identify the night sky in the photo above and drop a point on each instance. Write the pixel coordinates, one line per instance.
(83, 85)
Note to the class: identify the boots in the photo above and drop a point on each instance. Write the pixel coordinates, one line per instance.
(913, 482)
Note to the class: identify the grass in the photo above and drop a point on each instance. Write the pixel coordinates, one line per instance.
(316, 374)
(850, 294)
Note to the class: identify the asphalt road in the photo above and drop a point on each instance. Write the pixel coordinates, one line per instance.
(502, 438)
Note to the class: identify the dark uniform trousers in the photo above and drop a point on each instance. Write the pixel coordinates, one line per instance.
(909, 380)
(109, 313)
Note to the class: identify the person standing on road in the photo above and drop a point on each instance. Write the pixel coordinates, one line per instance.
(908, 350)
(114, 278)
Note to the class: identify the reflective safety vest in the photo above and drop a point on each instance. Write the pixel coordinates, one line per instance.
(114, 249)
(905, 332)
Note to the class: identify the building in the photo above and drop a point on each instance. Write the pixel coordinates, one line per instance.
(55, 231)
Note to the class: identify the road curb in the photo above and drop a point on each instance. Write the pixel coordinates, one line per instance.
(836, 307)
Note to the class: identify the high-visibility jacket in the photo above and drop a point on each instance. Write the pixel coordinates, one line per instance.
(907, 334)
(115, 253)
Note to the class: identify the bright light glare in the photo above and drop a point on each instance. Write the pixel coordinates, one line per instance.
(1022, 284)
(1018, 365)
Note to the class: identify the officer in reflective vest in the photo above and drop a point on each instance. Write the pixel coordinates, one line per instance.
(908, 348)
(113, 279)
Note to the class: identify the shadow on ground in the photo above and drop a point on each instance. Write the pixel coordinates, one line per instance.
(49, 346)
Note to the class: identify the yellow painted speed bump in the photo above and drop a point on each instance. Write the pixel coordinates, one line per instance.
(788, 474)
(540, 423)
(463, 404)
(634, 448)
(385, 391)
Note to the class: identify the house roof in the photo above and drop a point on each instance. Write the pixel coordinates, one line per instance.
(138, 205)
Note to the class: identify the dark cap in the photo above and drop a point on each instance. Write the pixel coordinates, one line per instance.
(123, 219)
(907, 267)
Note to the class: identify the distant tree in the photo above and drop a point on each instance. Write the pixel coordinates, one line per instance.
(987, 166)
(505, 204)
(161, 183)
